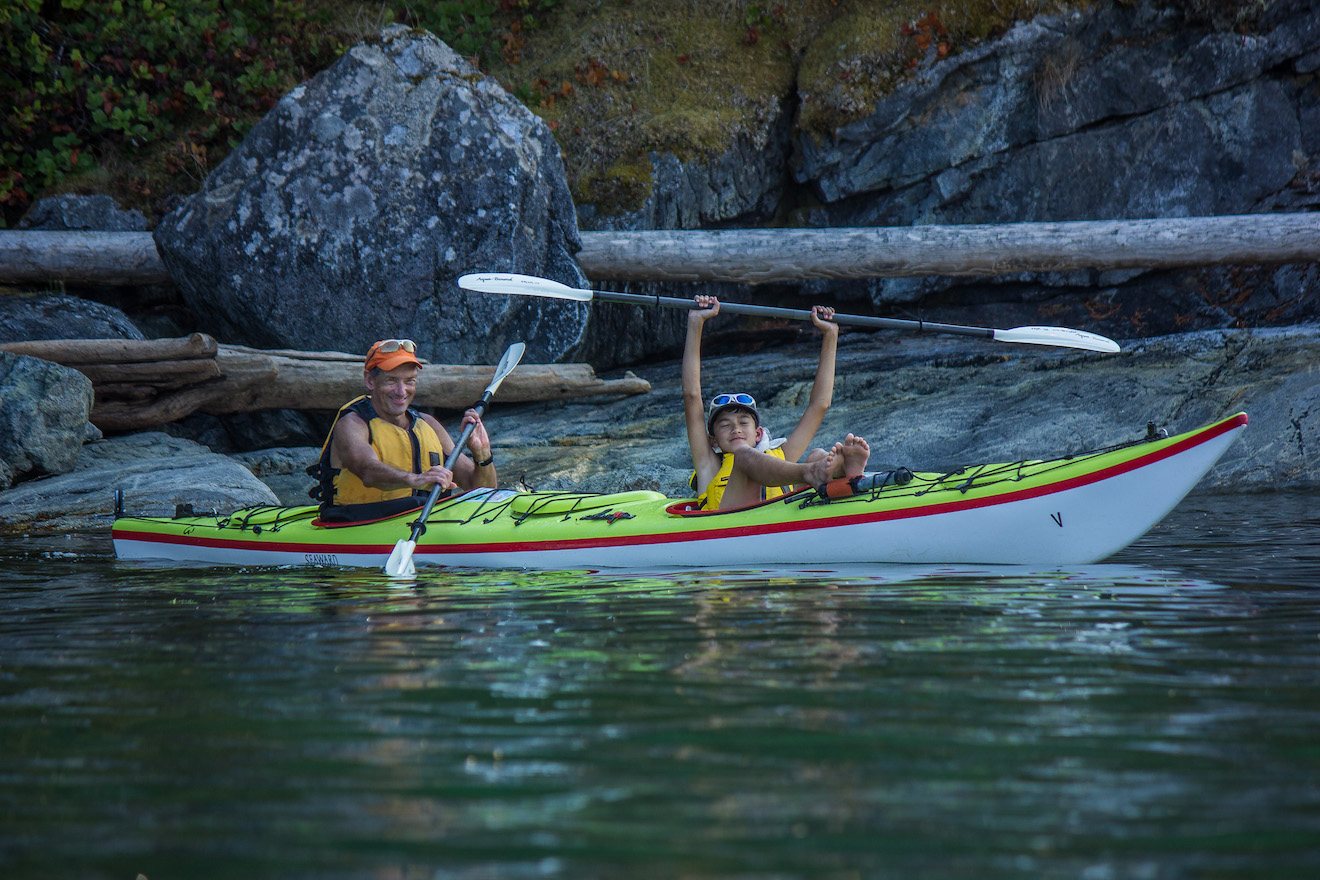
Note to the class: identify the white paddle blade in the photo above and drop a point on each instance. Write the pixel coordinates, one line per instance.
(512, 356)
(1062, 336)
(522, 285)
(400, 563)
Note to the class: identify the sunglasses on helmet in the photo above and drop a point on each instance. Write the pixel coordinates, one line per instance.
(727, 399)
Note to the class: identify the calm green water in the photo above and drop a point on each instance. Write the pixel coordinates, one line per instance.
(1156, 716)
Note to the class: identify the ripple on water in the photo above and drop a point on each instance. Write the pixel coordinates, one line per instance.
(1153, 715)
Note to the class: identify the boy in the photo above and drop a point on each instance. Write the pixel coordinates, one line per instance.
(735, 465)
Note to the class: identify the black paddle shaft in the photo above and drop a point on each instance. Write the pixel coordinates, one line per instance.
(420, 526)
(672, 302)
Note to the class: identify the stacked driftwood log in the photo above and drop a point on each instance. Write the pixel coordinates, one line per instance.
(761, 256)
(144, 383)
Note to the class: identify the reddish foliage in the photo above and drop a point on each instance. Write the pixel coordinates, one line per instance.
(927, 32)
(596, 73)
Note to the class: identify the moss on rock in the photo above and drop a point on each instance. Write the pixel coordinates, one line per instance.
(620, 80)
(871, 47)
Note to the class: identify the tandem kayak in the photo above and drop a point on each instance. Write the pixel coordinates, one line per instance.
(1065, 511)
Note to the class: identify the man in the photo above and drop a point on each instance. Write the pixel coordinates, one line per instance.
(382, 457)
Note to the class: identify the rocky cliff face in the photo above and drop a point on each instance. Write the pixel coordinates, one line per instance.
(1113, 111)
(1104, 113)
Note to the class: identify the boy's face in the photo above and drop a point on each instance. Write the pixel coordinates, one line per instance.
(734, 428)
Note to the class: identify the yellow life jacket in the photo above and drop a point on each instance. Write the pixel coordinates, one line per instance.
(408, 449)
(710, 499)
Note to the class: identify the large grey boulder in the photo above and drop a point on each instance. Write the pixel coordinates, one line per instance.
(43, 417)
(156, 472)
(350, 210)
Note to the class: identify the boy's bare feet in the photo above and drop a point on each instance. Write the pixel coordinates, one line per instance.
(855, 452)
(819, 469)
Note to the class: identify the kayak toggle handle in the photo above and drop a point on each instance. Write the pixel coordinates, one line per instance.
(846, 487)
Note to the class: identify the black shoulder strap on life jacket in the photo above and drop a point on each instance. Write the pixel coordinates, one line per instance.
(321, 471)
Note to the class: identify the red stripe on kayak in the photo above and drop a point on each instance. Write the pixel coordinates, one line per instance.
(245, 544)
(1190, 442)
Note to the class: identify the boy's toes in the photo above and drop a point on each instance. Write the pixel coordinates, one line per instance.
(855, 453)
(820, 470)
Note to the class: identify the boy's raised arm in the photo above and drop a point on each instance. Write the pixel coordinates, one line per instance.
(822, 388)
(704, 460)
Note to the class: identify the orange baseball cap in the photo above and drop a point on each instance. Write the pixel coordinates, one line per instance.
(390, 354)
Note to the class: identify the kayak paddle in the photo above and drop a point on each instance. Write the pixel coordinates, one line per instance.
(400, 563)
(530, 285)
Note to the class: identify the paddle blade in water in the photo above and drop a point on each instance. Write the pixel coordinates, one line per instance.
(522, 285)
(1062, 336)
(400, 563)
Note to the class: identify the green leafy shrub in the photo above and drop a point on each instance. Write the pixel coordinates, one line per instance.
(129, 86)
(479, 29)
(141, 98)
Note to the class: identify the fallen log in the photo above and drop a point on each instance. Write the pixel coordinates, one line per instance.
(144, 383)
(759, 256)
(161, 373)
(295, 354)
(114, 415)
(134, 414)
(80, 258)
(71, 352)
(300, 383)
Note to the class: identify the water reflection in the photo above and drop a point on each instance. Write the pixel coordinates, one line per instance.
(1150, 716)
